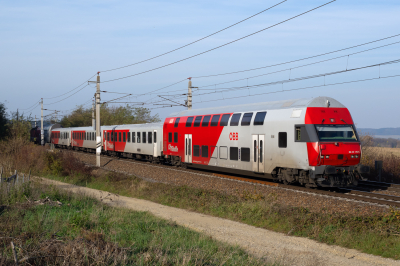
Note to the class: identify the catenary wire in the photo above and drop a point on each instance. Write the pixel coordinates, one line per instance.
(303, 88)
(297, 60)
(195, 41)
(72, 89)
(215, 48)
(278, 71)
(67, 97)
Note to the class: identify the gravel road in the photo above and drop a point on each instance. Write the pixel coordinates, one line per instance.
(199, 179)
(274, 247)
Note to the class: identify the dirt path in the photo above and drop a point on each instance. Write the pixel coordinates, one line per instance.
(274, 246)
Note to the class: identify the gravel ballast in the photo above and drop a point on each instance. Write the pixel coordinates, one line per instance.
(205, 180)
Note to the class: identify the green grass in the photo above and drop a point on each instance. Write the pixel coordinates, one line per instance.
(84, 231)
(374, 234)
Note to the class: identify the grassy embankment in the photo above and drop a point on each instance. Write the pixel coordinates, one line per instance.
(372, 233)
(83, 231)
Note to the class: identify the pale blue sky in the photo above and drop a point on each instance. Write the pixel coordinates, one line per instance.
(49, 47)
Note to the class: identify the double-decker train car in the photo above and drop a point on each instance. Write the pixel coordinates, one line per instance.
(310, 141)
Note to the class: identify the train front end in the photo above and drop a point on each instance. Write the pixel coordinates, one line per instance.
(335, 155)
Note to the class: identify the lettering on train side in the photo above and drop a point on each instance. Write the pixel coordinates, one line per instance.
(172, 148)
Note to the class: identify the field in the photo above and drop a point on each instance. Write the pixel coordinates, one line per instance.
(386, 151)
(50, 227)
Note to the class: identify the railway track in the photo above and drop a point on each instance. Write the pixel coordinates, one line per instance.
(351, 194)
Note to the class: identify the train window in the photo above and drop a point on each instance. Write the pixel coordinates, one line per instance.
(155, 137)
(196, 150)
(143, 137)
(245, 154)
(149, 137)
(108, 136)
(233, 153)
(204, 151)
(214, 152)
(93, 136)
(128, 134)
(177, 122)
(259, 119)
(261, 151)
(133, 137)
(138, 137)
(112, 136)
(223, 153)
(235, 120)
(115, 137)
(176, 137)
(282, 139)
(197, 121)
(214, 120)
(119, 136)
(206, 121)
(224, 120)
(170, 137)
(189, 121)
(246, 119)
(124, 137)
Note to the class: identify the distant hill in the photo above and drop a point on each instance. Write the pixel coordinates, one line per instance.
(380, 131)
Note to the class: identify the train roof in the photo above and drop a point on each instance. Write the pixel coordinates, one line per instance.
(108, 127)
(276, 105)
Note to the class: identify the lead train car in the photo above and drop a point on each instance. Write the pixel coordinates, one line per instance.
(310, 141)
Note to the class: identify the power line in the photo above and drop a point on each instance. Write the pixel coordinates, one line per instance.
(143, 72)
(297, 60)
(71, 90)
(303, 88)
(196, 40)
(30, 106)
(302, 78)
(278, 71)
(67, 97)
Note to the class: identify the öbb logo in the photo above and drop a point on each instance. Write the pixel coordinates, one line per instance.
(233, 136)
(172, 148)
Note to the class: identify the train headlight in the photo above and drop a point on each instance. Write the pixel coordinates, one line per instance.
(322, 157)
(352, 156)
(327, 156)
(356, 156)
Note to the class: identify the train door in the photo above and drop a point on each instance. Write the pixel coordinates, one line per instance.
(155, 147)
(258, 144)
(188, 148)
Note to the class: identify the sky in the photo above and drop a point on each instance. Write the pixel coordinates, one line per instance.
(49, 48)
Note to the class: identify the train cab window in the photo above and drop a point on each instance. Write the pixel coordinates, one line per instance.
(224, 120)
(259, 119)
(170, 137)
(189, 121)
(206, 121)
(235, 120)
(246, 119)
(176, 137)
(133, 137)
(177, 122)
(214, 120)
(143, 137)
(124, 137)
(128, 134)
(282, 139)
(197, 121)
(149, 137)
(233, 153)
(196, 150)
(155, 137)
(138, 137)
(245, 154)
(204, 151)
(119, 136)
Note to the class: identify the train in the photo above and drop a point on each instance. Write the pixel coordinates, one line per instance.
(312, 142)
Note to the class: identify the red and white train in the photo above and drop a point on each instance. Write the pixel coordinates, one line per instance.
(310, 141)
